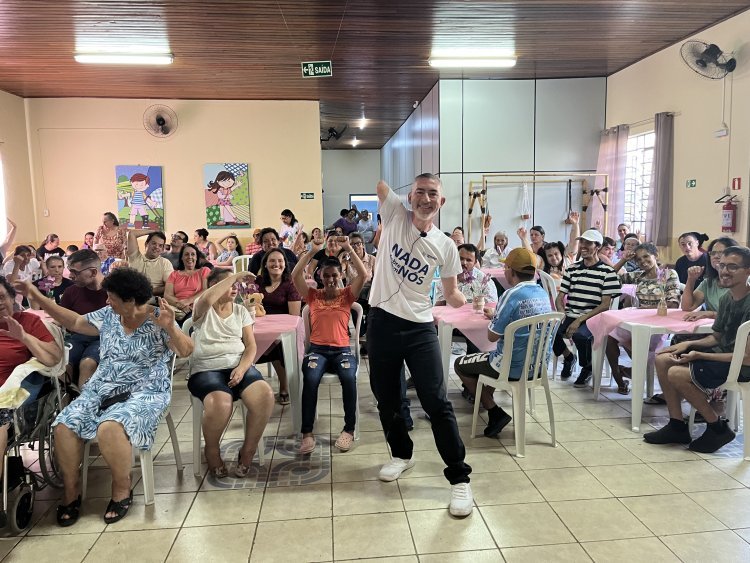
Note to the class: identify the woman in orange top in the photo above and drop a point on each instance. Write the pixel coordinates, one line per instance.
(330, 309)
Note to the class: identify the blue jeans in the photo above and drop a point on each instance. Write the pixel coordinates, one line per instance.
(317, 362)
(582, 338)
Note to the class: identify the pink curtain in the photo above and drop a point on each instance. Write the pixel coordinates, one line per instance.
(612, 159)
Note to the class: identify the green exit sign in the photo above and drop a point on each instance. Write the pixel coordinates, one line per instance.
(691, 184)
(317, 69)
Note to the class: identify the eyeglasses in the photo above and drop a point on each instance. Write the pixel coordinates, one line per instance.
(358, 243)
(79, 272)
(716, 253)
(730, 267)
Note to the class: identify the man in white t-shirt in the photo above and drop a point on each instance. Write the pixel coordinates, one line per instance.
(401, 329)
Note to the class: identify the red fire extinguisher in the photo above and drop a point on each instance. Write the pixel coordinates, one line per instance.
(728, 214)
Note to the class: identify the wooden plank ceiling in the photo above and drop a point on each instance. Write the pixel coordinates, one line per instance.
(252, 49)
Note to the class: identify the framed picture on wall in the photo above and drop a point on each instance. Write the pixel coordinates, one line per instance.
(140, 196)
(226, 188)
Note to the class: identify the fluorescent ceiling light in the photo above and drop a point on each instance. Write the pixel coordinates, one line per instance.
(471, 53)
(473, 63)
(124, 59)
(470, 57)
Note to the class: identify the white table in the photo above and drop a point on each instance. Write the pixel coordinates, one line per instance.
(642, 324)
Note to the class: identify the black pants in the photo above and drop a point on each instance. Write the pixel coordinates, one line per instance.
(582, 338)
(392, 341)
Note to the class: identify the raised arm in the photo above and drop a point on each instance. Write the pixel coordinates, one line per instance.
(69, 319)
(133, 235)
(213, 293)
(575, 232)
(179, 342)
(692, 299)
(9, 238)
(383, 189)
(523, 234)
(298, 274)
(358, 282)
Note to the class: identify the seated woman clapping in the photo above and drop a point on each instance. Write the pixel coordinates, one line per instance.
(130, 390)
(330, 309)
(651, 285)
(222, 370)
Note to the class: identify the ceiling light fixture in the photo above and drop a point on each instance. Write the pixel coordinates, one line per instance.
(124, 58)
(355, 142)
(362, 123)
(468, 57)
(473, 63)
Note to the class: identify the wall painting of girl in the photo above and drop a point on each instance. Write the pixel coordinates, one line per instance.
(227, 195)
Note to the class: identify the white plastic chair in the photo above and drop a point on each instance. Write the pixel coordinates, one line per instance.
(330, 376)
(535, 364)
(198, 417)
(736, 389)
(146, 459)
(241, 263)
(548, 283)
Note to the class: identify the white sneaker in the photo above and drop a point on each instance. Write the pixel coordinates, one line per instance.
(462, 501)
(394, 468)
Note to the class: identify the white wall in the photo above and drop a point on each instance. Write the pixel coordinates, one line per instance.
(663, 82)
(500, 126)
(346, 172)
(14, 151)
(414, 148)
(75, 144)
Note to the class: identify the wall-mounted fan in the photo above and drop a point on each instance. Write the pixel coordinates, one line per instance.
(160, 121)
(334, 133)
(707, 59)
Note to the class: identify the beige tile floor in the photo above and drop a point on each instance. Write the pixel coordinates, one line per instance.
(601, 495)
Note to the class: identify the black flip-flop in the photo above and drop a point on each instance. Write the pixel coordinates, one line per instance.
(657, 399)
(72, 511)
(120, 508)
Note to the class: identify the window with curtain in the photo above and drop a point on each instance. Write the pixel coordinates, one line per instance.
(640, 157)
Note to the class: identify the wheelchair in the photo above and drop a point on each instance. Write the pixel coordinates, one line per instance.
(24, 473)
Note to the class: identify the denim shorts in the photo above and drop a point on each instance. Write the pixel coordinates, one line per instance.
(204, 382)
(83, 346)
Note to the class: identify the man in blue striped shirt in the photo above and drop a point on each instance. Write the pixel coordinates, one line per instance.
(590, 285)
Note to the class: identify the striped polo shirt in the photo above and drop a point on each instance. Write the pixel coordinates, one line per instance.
(586, 285)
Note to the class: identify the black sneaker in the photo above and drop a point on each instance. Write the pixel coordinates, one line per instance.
(568, 365)
(675, 432)
(715, 437)
(497, 423)
(466, 394)
(583, 378)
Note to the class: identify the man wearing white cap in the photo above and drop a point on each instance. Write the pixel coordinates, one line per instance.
(590, 286)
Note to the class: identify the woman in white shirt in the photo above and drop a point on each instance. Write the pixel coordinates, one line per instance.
(499, 251)
(222, 370)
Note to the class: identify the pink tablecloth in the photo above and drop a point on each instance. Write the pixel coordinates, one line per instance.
(472, 325)
(498, 274)
(268, 328)
(604, 323)
(628, 289)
